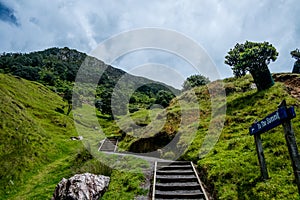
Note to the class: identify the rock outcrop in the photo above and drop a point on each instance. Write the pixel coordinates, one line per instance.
(81, 186)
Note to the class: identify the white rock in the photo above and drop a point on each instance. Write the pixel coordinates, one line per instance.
(81, 186)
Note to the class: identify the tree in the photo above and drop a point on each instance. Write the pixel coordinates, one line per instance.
(253, 57)
(296, 54)
(72, 98)
(104, 103)
(164, 98)
(68, 98)
(27, 72)
(195, 81)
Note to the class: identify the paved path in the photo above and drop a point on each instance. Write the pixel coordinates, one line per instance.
(110, 146)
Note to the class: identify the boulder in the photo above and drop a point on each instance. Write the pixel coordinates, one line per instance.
(81, 186)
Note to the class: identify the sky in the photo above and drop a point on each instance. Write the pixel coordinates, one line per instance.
(215, 25)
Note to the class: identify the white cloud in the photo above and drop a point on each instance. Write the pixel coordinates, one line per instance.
(215, 24)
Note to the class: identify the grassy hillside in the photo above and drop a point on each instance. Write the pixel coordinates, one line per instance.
(36, 152)
(231, 169)
(57, 68)
(35, 147)
(33, 134)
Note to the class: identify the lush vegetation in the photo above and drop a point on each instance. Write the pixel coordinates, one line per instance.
(36, 152)
(231, 169)
(195, 81)
(57, 69)
(50, 67)
(253, 57)
(37, 122)
(35, 147)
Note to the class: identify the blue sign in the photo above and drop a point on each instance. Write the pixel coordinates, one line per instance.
(272, 120)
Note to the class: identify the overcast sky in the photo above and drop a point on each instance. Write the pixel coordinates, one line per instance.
(216, 25)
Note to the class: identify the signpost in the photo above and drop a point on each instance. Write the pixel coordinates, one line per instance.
(272, 120)
(282, 115)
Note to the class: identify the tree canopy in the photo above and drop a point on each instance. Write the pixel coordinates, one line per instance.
(296, 54)
(253, 57)
(164, 98)
(195, 81)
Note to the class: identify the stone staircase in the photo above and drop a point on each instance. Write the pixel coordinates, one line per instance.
(177, 180)
(109, 145)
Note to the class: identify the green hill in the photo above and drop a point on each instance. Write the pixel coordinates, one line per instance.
(57, 69)
(36, 151)
(33, 134)
(231, 169)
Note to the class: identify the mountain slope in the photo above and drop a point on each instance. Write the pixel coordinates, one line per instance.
(231, 169)
(36, 151)
(57, 69)
(32, 132)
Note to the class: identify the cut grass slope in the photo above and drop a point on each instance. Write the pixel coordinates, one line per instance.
(35, 147)
(231, 169)
(33, 134)
(35, 150)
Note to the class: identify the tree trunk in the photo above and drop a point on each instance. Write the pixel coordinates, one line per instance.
(262, 77)
(69, 108)
(296, 68)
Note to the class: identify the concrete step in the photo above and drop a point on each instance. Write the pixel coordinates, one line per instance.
(176, 180)
(175, 172)
(109, 145)
(177, 186)
(179, 195)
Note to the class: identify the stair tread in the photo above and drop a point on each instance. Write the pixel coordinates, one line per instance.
(108, 145)
(177, 180)
(174, 163)
(175, 172)
(176, 184)
(176, 176)
(174, 167)
(180, 192)
(180, 198)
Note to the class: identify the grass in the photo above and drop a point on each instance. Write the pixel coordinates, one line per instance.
(125, 186)
(35, 147)
(33, 134)
(36, 152)
(231, 169)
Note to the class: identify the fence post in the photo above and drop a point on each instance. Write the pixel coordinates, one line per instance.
(261, 157)
(292, 146)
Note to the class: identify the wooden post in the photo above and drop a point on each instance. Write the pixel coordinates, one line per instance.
(292, 146)
(261, 157)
